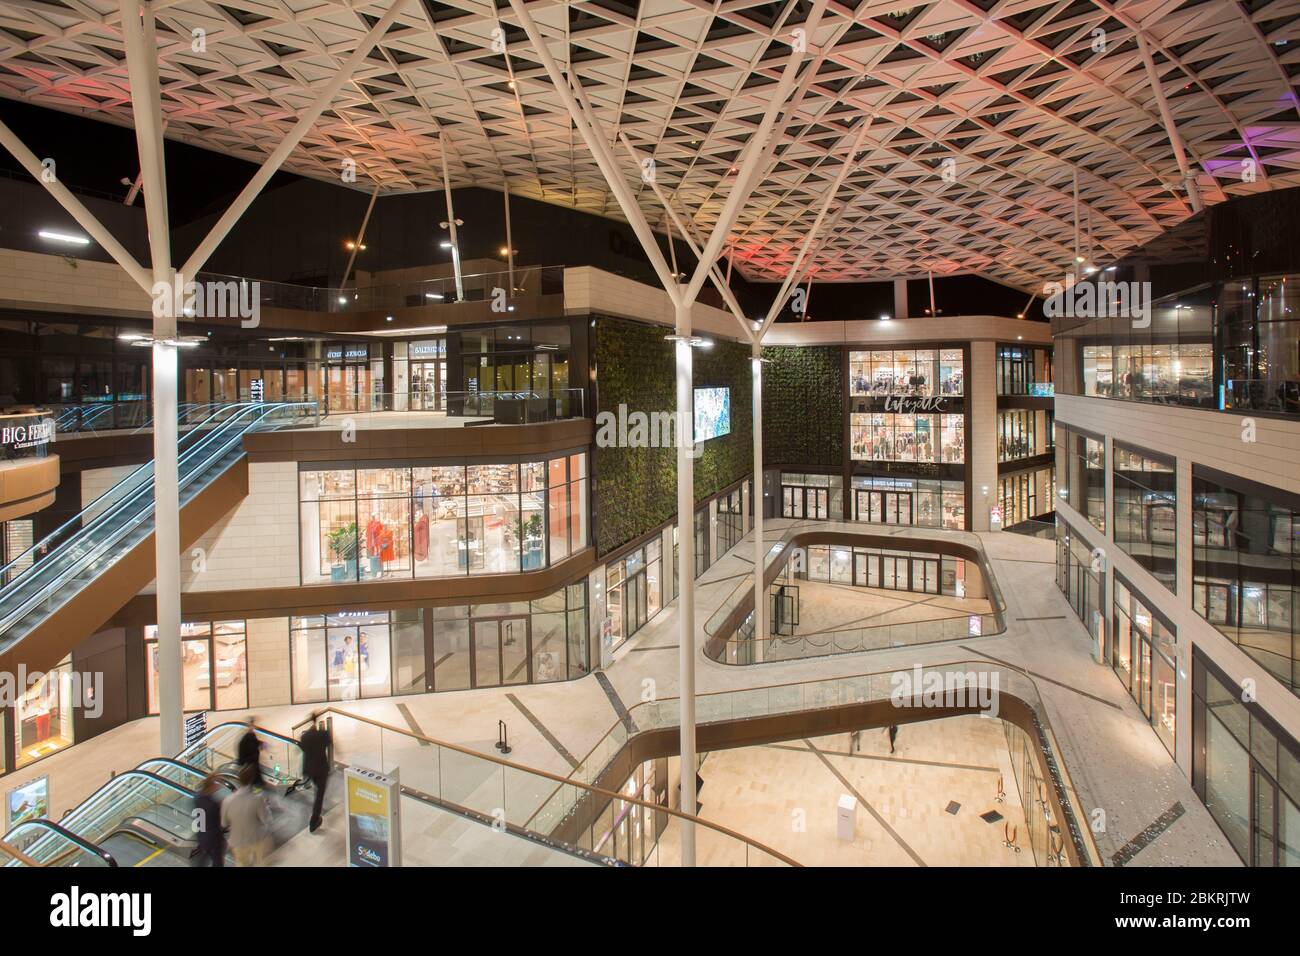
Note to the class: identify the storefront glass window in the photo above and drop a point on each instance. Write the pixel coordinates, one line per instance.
(43, 714)
(440, 520)
(913, 372)
(893, 436)
(1245, 569)
(1145, 506)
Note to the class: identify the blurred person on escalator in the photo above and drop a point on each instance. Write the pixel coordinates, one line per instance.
(211, 838)
(246, 815)
(250, 753)
(315, 742)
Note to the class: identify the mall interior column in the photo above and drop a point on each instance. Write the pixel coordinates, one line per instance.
(686, 572)
(982, 407)
(142, 68)
(760, 588)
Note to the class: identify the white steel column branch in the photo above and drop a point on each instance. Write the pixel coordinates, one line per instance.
(146, 103)
(361, 237)
(452, 222)
(749, 167)
(599, 151)
(686, 574)
(758, 498)
(273, 162)
(83, 216)
(1171, 128)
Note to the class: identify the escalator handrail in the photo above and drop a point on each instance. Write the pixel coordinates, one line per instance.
(222, 778)
(262, 412)
(68, 835)
(140, 499)
(139, 474)
(231, 725)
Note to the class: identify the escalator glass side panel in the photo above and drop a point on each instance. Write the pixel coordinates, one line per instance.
(52, 845)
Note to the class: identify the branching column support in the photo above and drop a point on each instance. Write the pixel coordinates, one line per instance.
(749, 167)
(1171, 128)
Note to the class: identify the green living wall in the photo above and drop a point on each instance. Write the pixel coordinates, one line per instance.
(635, 489)
(803, 406)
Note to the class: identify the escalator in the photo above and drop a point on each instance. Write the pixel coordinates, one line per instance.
(143, 817)
(71, 581)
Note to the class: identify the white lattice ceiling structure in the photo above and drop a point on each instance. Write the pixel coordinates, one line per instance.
(1018, 96)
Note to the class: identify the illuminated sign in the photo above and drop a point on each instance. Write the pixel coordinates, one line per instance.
(932, 403)
(25, 436)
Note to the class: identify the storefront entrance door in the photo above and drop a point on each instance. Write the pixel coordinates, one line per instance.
(501, 652)
(885, 507)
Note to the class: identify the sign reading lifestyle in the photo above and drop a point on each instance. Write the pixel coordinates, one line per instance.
(900, 403)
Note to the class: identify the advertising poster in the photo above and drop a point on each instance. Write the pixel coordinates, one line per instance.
(30, 801)
(374, 831)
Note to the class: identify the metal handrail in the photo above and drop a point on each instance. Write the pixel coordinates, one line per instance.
(562, 781)
(118, 488)
(93, 848)
(1065, 788)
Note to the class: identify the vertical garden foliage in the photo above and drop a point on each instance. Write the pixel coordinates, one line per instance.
(635, 489)
(803, 406)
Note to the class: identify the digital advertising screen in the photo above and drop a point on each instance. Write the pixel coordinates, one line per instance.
(712, 413)
(31, 801)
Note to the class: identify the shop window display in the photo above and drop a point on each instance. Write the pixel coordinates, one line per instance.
(892, 436)
(1145, 505)
(925, 503)
(1143, 656)
(365, 654)
(912, 372)
(214, 666)
(1245, 569)
(43, 714)
(441, 520)
(1081, 472)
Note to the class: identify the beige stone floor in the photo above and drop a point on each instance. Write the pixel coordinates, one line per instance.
(785, 796)
(430, 837)
(1116, 761)
(837, 607)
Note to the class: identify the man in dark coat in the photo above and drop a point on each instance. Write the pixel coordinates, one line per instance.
(315, 742)
(250, 753)
(207, 825)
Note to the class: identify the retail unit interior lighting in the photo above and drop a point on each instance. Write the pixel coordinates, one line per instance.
(54, 236)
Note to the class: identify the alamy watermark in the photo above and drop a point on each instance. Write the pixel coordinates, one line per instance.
(209, 299)
(1099, 299)
(976, 690)
(627, 429)
(84, 690)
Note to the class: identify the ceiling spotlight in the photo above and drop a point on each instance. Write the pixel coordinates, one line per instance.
(884, 318)
(1020, 315)
(343, 300)
(446, 244)
(1078, 259)
(388, 318)
(510, 83)
(67, 237)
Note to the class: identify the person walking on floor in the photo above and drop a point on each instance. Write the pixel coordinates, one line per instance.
(249, 753)
(211, 838)
(247, 818)
(893, 735)
(315, 743)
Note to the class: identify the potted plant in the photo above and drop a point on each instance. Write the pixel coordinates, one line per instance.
(529, 533)
(343, 549)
